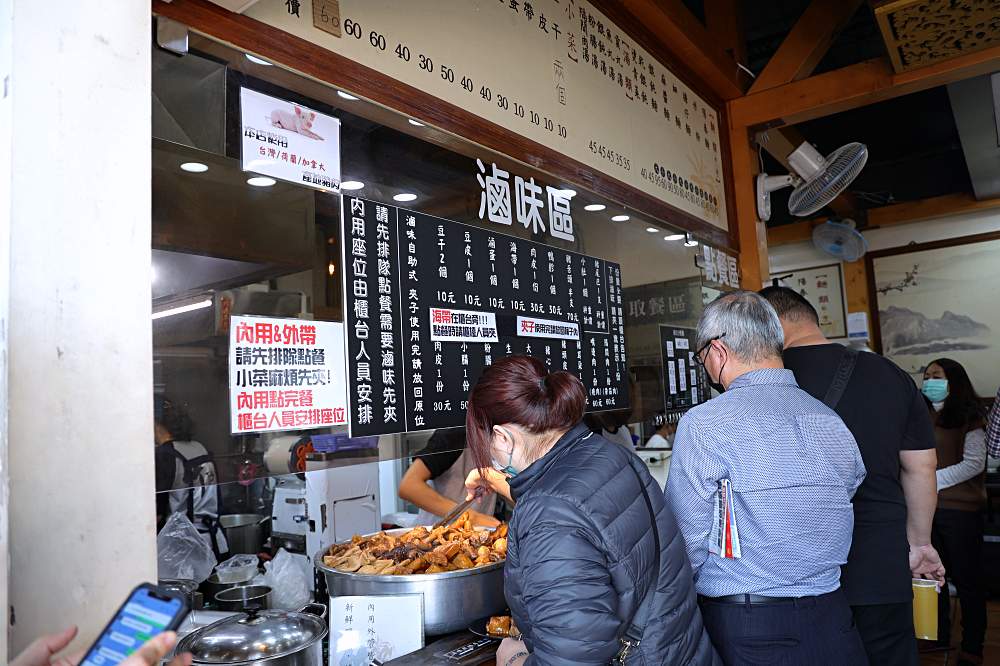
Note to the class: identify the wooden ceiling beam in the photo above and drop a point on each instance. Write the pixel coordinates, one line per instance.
(678, 30)
(723, 20)
(806, 44)
(852, 87)
(887, 216)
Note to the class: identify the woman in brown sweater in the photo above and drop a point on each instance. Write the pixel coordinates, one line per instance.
(957, 535)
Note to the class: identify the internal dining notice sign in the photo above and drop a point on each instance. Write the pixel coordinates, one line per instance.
(431, 302)
(285, 374)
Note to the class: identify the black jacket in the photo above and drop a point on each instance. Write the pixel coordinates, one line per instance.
(580, 556)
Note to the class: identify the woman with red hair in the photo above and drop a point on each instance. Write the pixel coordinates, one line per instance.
(596, 568)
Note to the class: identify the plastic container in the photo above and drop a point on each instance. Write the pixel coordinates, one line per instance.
(237, 569)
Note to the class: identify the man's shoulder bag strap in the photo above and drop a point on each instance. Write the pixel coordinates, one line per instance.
(841, 376)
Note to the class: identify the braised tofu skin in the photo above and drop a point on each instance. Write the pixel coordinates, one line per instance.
(420, 550)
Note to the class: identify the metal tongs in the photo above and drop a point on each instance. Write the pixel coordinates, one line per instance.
(459, 510)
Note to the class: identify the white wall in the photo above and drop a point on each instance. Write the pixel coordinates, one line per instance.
(6, 52)
(82, 514)
(803, 255)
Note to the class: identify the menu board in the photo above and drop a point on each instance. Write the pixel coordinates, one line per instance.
(557, 72)
(431, 302)
(684, 383)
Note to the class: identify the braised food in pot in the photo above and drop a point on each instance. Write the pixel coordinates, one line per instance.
(452, 548)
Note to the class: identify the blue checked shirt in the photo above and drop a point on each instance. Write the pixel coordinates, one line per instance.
(793, 466)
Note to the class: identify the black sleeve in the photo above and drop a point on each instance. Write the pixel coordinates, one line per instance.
(442, 451)
(919, 434)
(166, 468)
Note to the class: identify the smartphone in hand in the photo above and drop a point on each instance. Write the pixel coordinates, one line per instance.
(147, 611)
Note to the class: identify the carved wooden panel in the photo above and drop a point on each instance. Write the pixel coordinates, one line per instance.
(918, 33)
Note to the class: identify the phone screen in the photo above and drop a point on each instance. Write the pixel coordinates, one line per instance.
(143, 616)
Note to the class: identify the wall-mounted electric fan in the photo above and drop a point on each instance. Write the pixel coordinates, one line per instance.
(817, 180)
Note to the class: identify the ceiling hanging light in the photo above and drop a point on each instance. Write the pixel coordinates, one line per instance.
(594, 207)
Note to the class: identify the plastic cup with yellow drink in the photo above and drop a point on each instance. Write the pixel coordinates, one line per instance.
(925, 608)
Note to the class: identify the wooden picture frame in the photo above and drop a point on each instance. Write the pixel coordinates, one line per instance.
(838, 308)
(913, 278)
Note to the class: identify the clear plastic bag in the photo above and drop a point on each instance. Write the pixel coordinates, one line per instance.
(237, 569)
(182, 551)
(288, 577)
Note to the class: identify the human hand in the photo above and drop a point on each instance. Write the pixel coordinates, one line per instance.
(512, 652)
(493, 481)
(926, 563)
(155, 649)
(482, 520)
(43, 649)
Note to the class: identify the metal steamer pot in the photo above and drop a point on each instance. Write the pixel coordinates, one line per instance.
(452, 600)
(276, 638)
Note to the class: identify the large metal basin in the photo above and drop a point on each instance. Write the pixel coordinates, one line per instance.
(452, 600)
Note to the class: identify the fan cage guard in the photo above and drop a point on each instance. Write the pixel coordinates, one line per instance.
(840, 240)
(842, 167)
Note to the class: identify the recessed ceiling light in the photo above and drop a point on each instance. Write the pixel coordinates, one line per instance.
(690, 243)
(259, 61)
(405, 196)
(194, 167)
(652, 230)
(260, 181)
(567, 192)
(594, 207)
(674, 237)
(351, 185)
(415, 123)
(347, 96)
(620, 218)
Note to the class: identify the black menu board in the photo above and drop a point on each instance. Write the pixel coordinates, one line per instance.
(430, 303)
(684, 382)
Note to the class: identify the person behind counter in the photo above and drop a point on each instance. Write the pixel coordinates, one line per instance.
(435, 481)
(186, 479)
(594, 557)
(958, 524)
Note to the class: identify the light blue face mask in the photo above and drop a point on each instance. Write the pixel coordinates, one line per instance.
(507, 469)
(936, 390)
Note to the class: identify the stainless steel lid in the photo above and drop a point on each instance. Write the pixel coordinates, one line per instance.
(253, 636)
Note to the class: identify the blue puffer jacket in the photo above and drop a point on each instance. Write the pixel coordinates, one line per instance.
(580, 558)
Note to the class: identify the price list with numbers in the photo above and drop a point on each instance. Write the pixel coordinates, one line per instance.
(431, 302)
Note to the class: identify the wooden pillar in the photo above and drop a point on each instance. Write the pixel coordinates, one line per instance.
(751, 232)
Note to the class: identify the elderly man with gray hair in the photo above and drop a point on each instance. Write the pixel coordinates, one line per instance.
(761, 483)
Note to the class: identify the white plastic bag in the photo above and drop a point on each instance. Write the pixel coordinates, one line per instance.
(182, 552)
(288, 578)
(237, 569)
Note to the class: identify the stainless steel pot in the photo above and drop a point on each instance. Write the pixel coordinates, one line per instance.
(244, 532)
(276, 638)
(243, 597)
(452, 600)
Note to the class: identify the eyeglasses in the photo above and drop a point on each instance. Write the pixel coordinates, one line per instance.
(697, 355)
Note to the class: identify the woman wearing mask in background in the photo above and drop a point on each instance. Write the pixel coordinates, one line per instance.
(588, 568)
(958, 524)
